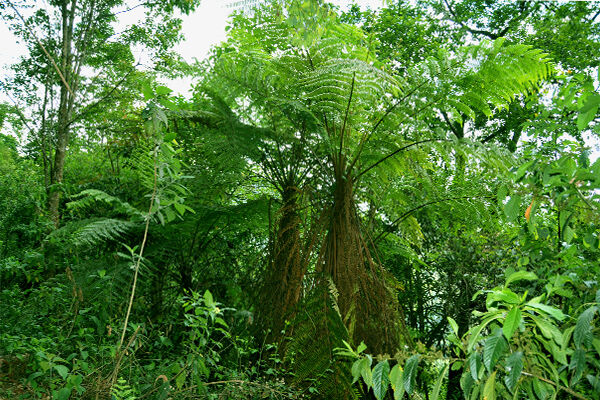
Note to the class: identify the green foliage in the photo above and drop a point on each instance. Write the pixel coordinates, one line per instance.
(418, 179)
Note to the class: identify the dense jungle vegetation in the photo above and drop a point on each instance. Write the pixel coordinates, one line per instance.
(351, 204)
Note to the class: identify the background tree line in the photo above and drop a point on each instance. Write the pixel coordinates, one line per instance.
(357, 204)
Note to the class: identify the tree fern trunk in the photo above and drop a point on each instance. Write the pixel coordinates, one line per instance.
(282, 286)
(368, 307)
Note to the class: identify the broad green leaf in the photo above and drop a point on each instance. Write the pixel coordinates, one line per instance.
(511, 323)
(555, 312)
(365, 371)
(208, 299)
(147, 91)
(514, 366)
(511, 209)
(361, 347)
(494, 348)
(489, 390)
(168, 104)
(548, 329)
(475, 365)
(466, 383)
(454, 325)
(438, 383)
(179, 208)
(397, 382)
(582, 336)
(180, 380)
(506, 296)
(541, 390)
(520, 276)
(63, 394)
(410, 373)
(62, 370)
(163, 90)
(381, 379)
(588, 111)
(557, 352)
(356, 367)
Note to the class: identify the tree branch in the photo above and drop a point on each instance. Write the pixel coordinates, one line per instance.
(393, 153)
(62, 77)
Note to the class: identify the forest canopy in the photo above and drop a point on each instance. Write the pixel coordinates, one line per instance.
(401, 203)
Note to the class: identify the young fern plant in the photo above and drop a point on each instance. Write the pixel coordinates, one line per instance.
(121, 390)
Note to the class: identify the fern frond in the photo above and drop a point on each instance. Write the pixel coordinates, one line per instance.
(102, 230)
(89, 197)
(315, 332)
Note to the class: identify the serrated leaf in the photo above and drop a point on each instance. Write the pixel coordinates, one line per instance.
(381, 379)
(489, 390)
(410, 373)
(466, 383)
(540, 389)
(494, 348)
(582, 336)
(511, 323)
(514, 365)
(475, 365)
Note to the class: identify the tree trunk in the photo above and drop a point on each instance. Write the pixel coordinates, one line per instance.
(64, 111)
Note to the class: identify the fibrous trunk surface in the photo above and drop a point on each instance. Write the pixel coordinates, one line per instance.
(368, 307)
(282, 287)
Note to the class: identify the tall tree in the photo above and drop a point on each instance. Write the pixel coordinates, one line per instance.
(67, 42)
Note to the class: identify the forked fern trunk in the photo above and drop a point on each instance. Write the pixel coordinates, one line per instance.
(368, 307)
(282, 286)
